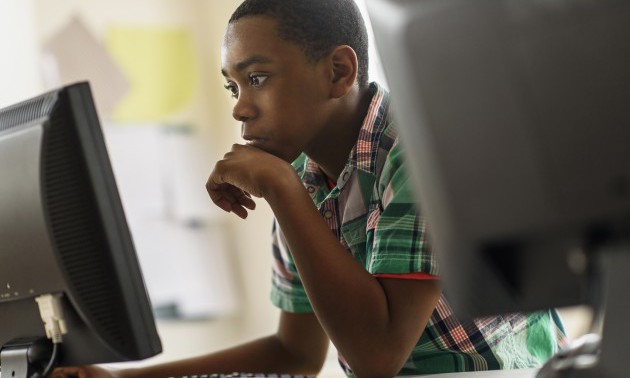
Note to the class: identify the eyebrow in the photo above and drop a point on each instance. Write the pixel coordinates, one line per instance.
(240, 66)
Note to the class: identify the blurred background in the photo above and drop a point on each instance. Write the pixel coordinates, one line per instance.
(154, 68)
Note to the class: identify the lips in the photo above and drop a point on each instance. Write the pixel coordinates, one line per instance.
(254, 140)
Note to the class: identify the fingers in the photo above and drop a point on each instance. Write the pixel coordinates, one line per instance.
(68, 372)
(81, 372)
(239, 175)
(231, 199)
(240, 212)
(247, 201)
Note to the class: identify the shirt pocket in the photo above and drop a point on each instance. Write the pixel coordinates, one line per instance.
(354, 234)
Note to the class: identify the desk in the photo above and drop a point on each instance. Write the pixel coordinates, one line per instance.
(521, 373)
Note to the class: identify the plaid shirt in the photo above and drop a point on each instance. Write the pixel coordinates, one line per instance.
(371, 212)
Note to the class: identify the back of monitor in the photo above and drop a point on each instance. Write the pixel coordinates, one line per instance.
(516, 123)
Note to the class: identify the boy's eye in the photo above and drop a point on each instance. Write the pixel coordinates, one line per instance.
(232, 88)
(257, 80)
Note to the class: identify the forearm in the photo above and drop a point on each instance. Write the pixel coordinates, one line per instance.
(350, 303)
(265, 355)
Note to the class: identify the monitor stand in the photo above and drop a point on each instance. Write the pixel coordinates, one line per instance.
(26, 357)
(602, 354)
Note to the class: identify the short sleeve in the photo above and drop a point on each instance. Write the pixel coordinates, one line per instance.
(287, 291)
(396, 232)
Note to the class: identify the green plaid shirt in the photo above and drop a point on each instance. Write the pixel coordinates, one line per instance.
(371, 212)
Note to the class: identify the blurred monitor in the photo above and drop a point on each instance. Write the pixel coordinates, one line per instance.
(66, 255)
(515, 117)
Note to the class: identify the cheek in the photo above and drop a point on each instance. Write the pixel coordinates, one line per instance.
(294, 134)
(289, 116)
(304, 107)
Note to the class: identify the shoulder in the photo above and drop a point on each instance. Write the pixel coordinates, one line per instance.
(391, 170)
(390, 157)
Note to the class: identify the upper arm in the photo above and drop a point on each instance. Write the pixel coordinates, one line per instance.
(410, 305)
(303, 336)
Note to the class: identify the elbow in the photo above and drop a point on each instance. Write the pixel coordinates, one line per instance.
(375, 372)
(381, 365)
(310, 365)
(312, 369)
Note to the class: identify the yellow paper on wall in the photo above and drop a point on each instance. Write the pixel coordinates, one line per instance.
(161, 66)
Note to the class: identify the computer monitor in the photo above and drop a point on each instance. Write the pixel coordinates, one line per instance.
(516, 123)
(66, 254)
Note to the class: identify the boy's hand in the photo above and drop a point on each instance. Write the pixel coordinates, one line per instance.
(82, 372)
(243, 172)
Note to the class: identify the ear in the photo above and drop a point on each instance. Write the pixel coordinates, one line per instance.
(344, 70)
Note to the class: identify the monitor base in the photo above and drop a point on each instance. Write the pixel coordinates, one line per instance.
(27, 357)
(601, 353)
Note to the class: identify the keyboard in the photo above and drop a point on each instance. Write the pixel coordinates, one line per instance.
(245, 375)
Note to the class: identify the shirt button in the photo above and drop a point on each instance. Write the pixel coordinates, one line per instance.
(310, 189)
(345, 176)
(328, 214)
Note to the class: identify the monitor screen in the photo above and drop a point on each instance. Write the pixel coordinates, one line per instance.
(515, 121)
(66, 255)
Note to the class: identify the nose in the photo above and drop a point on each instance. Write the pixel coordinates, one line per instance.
(244, 109)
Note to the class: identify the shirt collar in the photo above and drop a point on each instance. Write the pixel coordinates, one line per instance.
(364, 153)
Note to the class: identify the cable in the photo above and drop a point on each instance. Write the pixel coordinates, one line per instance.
(50, 365)
(51, 313)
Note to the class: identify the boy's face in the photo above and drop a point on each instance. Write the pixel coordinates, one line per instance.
(281, 97)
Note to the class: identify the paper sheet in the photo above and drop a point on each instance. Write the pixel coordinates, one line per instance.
(162, 67)
(74, 54)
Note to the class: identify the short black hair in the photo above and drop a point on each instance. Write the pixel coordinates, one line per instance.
(317, 26)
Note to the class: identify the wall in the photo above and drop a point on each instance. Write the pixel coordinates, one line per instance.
(19, 77)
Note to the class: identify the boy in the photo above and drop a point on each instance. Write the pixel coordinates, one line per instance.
(352, 263)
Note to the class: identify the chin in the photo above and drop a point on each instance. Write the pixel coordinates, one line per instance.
(283, 154)
(288, 156)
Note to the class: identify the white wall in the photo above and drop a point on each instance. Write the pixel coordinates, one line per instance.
(19, 74)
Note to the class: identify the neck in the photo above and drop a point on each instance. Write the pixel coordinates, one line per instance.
(332, 154)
